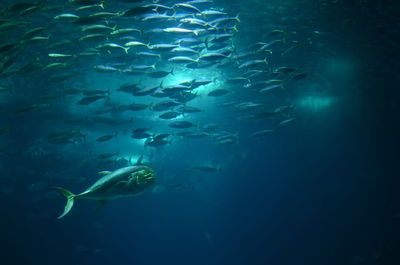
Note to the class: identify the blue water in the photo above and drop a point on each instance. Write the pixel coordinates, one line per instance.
(321, 189)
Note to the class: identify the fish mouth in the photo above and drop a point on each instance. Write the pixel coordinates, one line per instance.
(149, 177)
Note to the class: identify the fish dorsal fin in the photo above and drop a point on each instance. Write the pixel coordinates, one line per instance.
(103, 173)
(101, 204)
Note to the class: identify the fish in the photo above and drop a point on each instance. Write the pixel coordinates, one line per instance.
(108, 46)
(208, 127)
(184, 51)
(61, 55)
(206, 168)
(165, 105)
(160, 74)
(157, 16)
(284, 108)
(96, 92)
(181, 124)
(129, 87)
(93, 37)
(140, 135)
(187, 7)
(85, 2)
(270, 88)
(31, 107)
(161, 136)
(221, 37)
(125, 31)
(135, 43)
(226, 137)
(105, 138)
(148, 54)
(155, 7)
(142, 67)
(129, 71)
(99, 28)
(192, 46)
(169, 115)
(195, 83)
(8, 46)
(140, 130)
(188, 41)
(196, 135)
(246, 106)
(285, 70)
(218, 92)
(253, 63)
(227, 142)
(182, 59)
(212, 12)
(163, 46)
(156, 142)
(180, 30)
(223, 20)
(145, 91)
(284, 122)
(4, 89)
(104, 14)
(261, 133)
(20, 6)
(90, 99)
(105, 69)
(67, 16)
(299, 76)
(188, 109)
(32, 32)
(136, 11)
(171, 90)
(123, 182)
(85, 7)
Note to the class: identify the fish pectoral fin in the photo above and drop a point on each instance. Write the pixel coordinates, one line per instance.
(121, 183)
(100, 205)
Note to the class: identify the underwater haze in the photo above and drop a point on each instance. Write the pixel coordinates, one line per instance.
(201, 132)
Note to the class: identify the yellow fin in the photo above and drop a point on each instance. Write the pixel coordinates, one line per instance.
(103, 173)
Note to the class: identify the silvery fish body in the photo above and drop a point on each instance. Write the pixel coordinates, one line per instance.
(123, 182)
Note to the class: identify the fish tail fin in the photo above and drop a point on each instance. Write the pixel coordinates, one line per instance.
(206, 42)
(70, 200)
(237, 17)
(235, 29)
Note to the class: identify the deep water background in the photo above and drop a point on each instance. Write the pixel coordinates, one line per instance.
(324, 190)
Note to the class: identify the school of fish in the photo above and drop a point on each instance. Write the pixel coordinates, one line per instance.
(162, 70)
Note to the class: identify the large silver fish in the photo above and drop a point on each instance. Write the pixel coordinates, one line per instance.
(123, 182)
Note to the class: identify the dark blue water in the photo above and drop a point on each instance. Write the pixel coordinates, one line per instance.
(321, 189)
